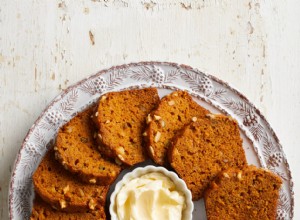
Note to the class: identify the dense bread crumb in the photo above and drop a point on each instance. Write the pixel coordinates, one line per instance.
(43, 211)
(250, 193)
(63, 190)
(76, 149)
(204, 148)
(173, 112)
(120, 118)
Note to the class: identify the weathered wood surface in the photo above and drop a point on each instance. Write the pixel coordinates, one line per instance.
(46, 46)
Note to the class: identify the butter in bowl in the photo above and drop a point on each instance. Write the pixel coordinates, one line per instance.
(151, 193)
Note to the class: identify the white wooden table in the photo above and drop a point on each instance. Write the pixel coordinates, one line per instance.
(45, 46)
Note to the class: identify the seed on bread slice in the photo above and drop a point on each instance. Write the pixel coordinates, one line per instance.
(248, 193)
(62, 189)
(204, 148)
(173, 112)
(76, 149)
(43, 211)
(120, 118)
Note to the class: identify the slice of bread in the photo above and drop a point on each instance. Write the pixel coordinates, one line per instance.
(250, 193)
(173, 112)
(76, 149)
(43, 211)
(120, 118)
(204, 148)
(62, 189)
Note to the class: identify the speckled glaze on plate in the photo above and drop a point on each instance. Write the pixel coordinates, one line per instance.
(261, 144)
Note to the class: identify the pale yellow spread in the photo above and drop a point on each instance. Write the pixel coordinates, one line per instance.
(151, 196)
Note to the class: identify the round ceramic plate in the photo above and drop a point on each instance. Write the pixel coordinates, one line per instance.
(261, 145)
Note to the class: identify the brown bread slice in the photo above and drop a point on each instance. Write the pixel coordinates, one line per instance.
(173, 112)
(204, 148)
(62, 189)
(250, 193)
(120, 118)
(43, 211)
(76, 149)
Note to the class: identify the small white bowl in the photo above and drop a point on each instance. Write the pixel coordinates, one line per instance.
(179, 183)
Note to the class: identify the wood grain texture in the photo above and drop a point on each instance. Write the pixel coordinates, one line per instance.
(46, 46)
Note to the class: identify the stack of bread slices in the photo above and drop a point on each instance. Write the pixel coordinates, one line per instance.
(128, 127)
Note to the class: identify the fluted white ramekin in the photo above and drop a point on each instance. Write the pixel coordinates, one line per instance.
(179, 183)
